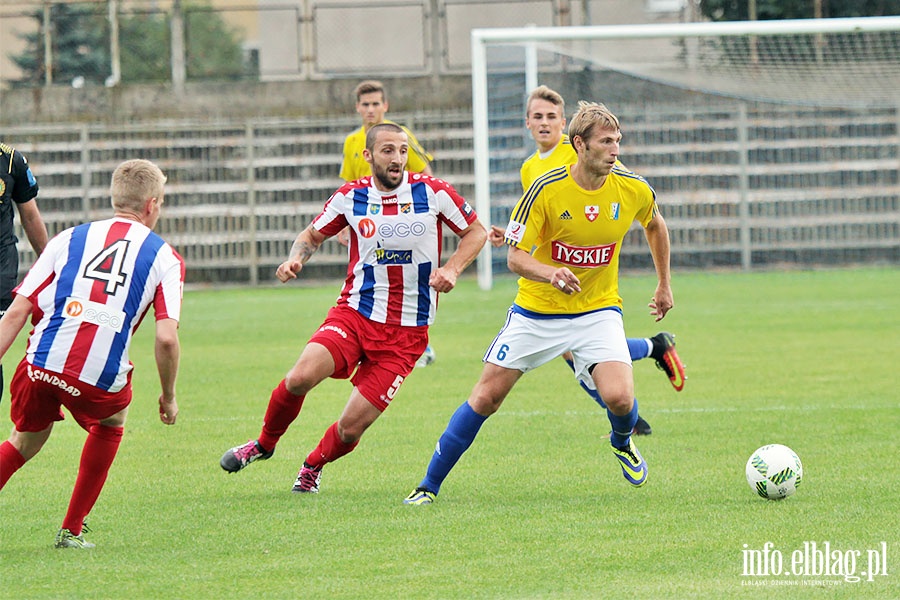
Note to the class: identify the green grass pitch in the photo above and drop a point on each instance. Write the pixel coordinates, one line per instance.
(537, 508)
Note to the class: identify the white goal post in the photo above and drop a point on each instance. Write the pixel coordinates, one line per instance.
(693, 56)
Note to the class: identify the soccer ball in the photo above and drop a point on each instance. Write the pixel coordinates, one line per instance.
(774, 471)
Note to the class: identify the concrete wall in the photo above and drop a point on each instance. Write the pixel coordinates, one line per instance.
(226, 100)
(327, 98)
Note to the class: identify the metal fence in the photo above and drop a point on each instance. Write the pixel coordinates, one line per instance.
(237, 193)
(750, 185)
(779, 185)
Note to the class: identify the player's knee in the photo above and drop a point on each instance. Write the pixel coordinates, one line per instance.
(350, 432)
(619, 403)
(28, 444)
(484, 403)
(298, 382)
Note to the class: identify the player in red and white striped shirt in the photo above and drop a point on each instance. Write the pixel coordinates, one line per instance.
(379, 327)
(86, 295)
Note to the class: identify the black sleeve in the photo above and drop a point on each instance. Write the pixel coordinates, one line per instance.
(25, 187)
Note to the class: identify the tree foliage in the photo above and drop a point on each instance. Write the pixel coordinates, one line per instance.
(738, 10)
(80, 37)
(81, 46)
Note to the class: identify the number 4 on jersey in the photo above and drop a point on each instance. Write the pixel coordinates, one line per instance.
(106, 266)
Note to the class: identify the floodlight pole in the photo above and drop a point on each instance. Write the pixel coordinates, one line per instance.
(114, 52)
(48, 45)
(179, 69)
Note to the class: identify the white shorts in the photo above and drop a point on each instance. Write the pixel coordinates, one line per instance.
(525, 343)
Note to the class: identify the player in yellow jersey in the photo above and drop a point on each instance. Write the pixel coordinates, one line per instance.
(546, 121)
(565, 236)
(372, 104)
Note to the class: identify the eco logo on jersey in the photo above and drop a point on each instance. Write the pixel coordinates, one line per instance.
(402, 229)
(94, 312)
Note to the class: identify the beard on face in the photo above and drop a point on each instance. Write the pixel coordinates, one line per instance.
(385, 178)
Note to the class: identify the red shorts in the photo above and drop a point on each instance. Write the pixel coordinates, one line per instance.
(37, 395)
(382, 355)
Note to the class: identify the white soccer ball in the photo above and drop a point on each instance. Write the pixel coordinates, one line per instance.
(774, 471)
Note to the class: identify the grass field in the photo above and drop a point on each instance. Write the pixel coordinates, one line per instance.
(537, 508)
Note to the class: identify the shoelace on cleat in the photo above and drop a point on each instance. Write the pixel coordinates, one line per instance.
(308, 478)
(247, 453)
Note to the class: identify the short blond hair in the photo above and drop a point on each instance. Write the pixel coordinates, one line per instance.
(590, 114)
(542, 92)
(134, 182)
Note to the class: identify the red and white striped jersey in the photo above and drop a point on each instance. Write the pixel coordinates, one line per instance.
(395, 244)
(90, 289)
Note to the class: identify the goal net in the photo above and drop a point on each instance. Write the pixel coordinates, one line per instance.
(768, 142)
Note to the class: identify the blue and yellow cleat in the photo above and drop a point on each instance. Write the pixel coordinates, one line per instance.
(634, 467)
(419, 497)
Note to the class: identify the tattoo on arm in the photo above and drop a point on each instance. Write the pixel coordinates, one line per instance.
(303, 248)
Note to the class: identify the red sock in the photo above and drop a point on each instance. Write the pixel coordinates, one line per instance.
(282, 410)
(96, 458)
(10, 461)
(330, 448)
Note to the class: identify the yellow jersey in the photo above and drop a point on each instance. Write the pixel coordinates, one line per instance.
(355, 166)
(566, 225)
(535, 166)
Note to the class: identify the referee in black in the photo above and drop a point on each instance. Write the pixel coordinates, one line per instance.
(17, 187)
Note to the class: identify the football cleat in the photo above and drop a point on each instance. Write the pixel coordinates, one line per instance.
(307, 480)
(419, 497)
(427, 357)
(634, 468)
(642, 427)
(240, 456)
(66, 539)
(667, 359)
